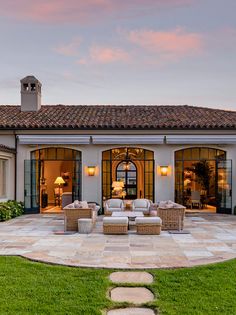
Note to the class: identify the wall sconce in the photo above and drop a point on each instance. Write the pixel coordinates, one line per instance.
(91, 170)
(164, 170)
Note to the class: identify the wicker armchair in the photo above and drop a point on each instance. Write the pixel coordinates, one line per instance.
(172, 217)
(142, 205)
(112, 205)
(72, 215)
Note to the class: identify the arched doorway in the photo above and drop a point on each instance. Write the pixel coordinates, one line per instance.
(134, 167)
(41, 172)
(203, 175)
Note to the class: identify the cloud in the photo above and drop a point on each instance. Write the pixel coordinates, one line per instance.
(104, 55)
(80, 11)
(70, 49)
(173, 44)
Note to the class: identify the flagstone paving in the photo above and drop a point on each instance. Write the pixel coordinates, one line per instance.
(134, 295)
(131, 277)
(211, 238)
(131, 295)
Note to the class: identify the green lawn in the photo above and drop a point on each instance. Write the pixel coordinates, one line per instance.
(35, 288)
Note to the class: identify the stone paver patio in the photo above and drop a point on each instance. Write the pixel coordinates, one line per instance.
(211, 238)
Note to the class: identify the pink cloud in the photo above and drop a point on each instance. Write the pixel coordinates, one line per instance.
(70, 49)
(79, 11)
(105, 55)
(169, 44)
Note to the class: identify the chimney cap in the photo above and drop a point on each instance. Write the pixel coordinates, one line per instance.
(30, 79)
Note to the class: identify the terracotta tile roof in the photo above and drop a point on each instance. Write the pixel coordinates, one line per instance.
(117, 117)
(4, 148)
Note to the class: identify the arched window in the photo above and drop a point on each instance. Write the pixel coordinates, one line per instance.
(126, 171)
(138, 159)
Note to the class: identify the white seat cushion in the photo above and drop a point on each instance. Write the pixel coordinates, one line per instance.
(114, 203)
(115, 220)
(148, 220)
(141, 205)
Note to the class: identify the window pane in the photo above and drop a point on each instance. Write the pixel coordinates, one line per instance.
(195, 154)
(2, 178)
(179, 155)
(187, 154)
(204, 154)
(149, 155)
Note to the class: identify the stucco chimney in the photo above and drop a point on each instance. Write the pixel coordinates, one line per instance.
(30, 94)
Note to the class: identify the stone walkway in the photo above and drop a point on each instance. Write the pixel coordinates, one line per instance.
(132, 295)
(211, 238)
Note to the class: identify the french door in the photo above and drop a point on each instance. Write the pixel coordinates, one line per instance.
(224, 186)
(32, 176)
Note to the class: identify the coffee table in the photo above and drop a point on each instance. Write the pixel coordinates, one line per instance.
(131, 215)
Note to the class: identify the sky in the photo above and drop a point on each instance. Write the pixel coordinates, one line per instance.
(120, 51)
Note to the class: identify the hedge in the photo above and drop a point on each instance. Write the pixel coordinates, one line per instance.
(10, 209)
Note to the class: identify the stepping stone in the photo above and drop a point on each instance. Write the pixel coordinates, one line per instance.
(131, 311)
(131, 295)
(131, 277)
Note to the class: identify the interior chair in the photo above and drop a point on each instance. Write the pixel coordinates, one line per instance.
(141, 205)
(66, 199)
(112, 205)
(195, 199)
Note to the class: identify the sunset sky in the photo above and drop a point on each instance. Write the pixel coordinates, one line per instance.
(121, 51)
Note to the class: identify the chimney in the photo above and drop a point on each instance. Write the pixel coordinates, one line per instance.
(30, 94)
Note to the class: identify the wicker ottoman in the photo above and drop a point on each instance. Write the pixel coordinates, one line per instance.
(85, 226)
(115, 225)
(148, 225)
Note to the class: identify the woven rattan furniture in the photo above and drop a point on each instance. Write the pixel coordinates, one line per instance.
(131, 215)
(142, 205)
(172, 218)
(115, 225)
(85, 226)
(148, 225)
(72, 215)
(112, 205)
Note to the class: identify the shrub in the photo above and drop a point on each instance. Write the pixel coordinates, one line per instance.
(10, 209)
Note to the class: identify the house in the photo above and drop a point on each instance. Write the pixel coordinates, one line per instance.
(154, 152)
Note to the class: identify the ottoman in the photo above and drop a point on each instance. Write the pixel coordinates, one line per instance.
(85, 226)
(115, 225)
(148, 225)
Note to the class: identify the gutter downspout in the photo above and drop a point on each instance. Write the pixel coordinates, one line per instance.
(15, 164)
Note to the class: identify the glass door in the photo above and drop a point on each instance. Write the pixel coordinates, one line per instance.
(224, 186)
(76, 181)
(127, 173)
(31, 186)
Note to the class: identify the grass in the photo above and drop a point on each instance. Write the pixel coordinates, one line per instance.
(30, 288)
(40, 289)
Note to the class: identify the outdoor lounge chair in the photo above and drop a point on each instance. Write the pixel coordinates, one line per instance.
(112, 205)
(141, 205)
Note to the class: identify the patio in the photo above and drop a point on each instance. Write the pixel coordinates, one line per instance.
(211, 238)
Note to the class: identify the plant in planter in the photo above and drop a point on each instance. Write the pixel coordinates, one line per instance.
(203, 171)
